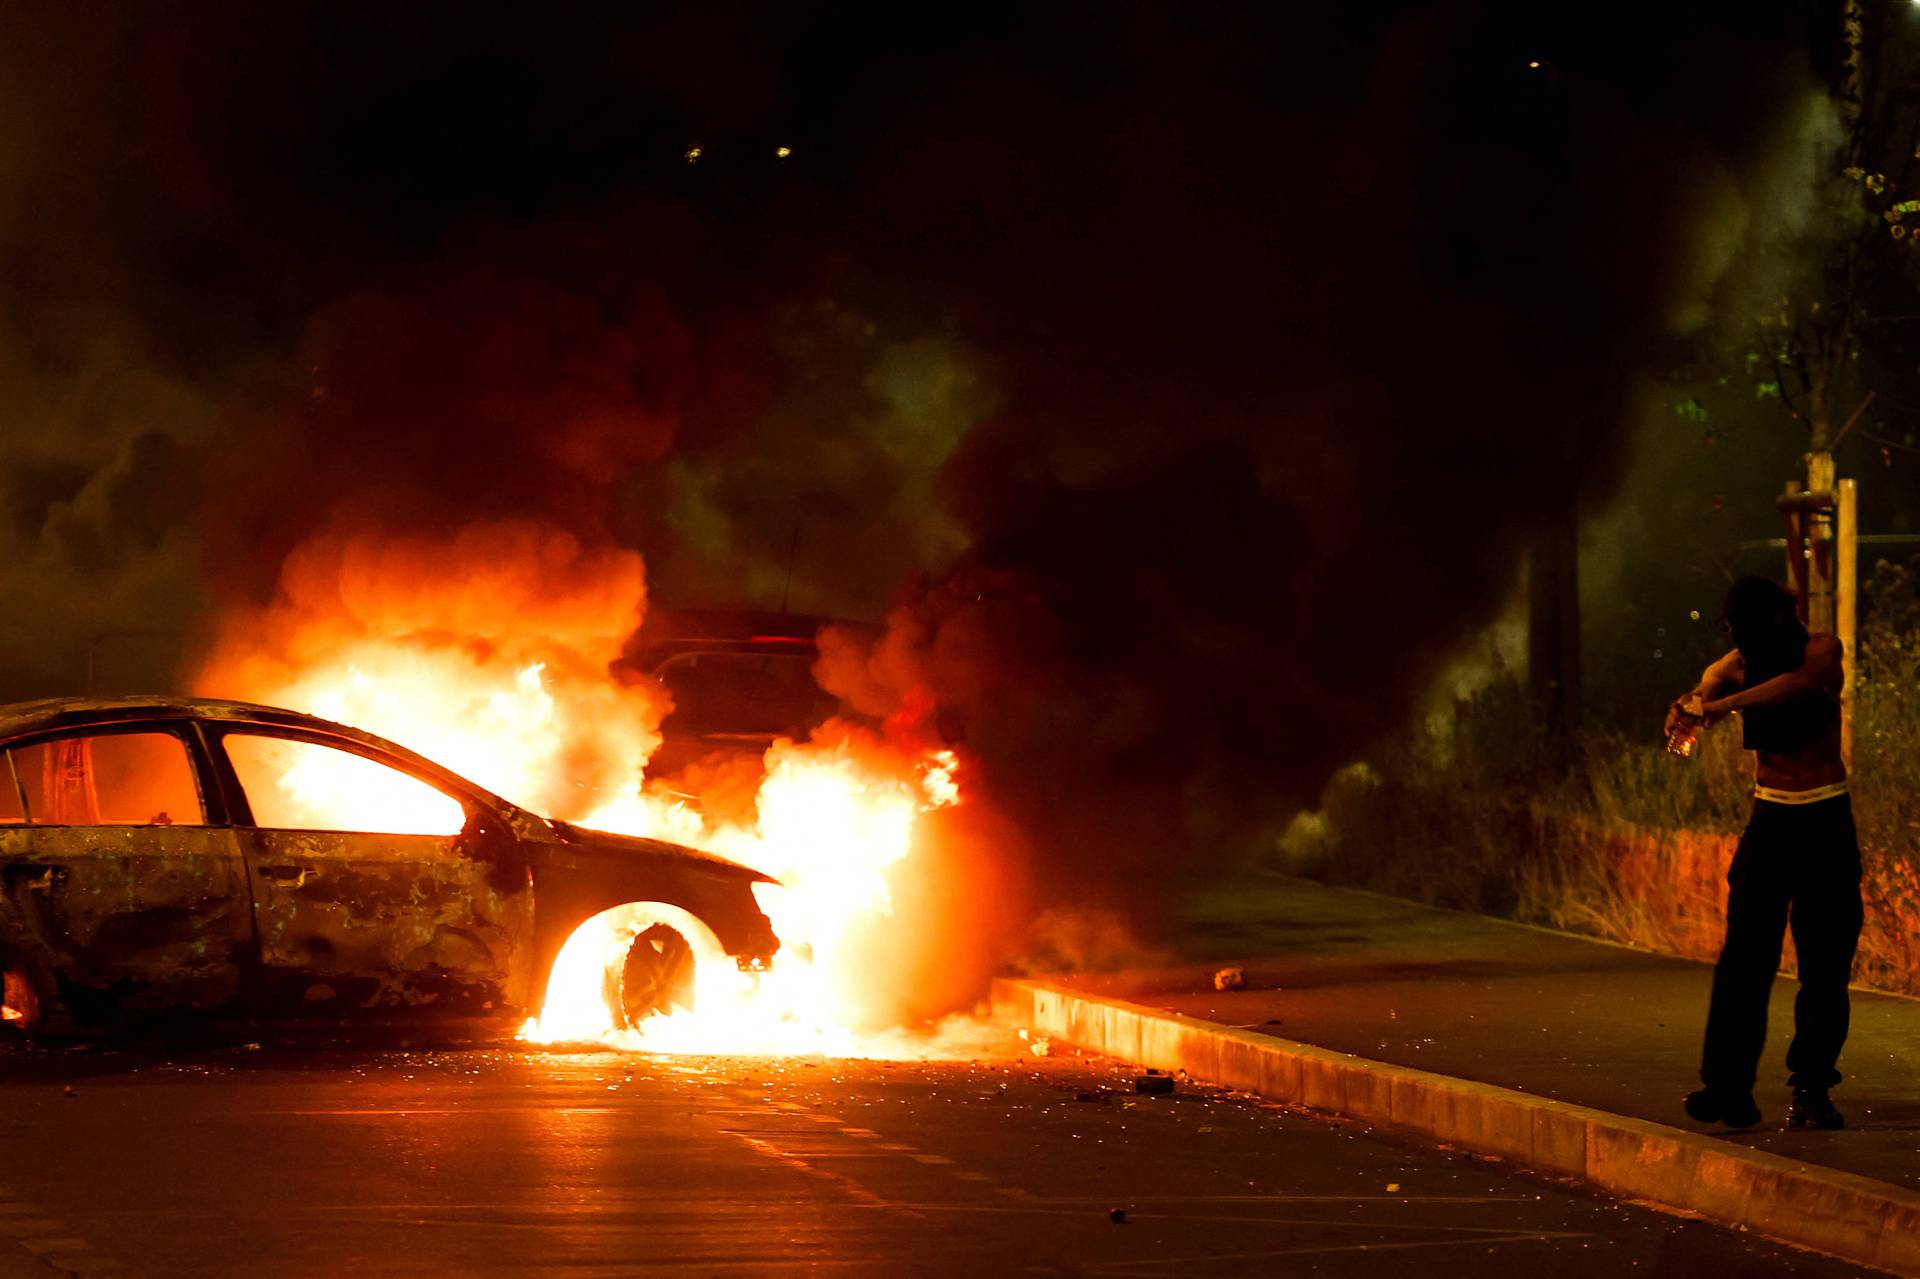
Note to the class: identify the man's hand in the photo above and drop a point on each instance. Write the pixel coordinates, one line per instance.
(1726, 672)
(1685, 710)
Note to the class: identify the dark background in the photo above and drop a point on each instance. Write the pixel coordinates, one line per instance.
(1186, 380)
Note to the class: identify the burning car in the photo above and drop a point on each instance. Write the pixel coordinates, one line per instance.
(161, 855)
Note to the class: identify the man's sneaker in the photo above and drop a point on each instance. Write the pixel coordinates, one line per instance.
(1712, 1106)
(1812, 1108)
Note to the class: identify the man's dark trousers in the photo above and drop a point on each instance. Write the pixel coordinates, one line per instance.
(1798, 862)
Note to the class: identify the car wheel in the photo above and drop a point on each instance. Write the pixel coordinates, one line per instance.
(627, 965)
(657, 975)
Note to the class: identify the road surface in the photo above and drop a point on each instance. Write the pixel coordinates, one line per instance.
(323, 1161)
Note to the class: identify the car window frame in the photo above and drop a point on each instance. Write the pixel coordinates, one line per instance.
(213, 808)
(473, 808)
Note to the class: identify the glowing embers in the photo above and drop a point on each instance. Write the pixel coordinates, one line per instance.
(21, 1006)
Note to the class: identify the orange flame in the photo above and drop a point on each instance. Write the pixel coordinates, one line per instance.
(500, 671)
(834, 821)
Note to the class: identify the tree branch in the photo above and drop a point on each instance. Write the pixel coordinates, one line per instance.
(1780, 381)
(1886, 443)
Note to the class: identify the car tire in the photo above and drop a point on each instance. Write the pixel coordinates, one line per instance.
(656, 976)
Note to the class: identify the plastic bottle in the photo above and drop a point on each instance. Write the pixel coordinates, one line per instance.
(1686, 734)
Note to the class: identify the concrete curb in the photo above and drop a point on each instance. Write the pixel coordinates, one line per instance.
(1836, 1212)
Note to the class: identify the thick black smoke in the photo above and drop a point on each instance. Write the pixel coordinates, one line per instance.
(1210, 363)
(1297, 353)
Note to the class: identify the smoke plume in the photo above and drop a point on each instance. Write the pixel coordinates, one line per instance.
(1179, 384)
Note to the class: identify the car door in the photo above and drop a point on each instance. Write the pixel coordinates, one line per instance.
(369, 894)
(117, 876)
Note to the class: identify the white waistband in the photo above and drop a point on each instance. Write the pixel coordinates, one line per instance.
(1814, 796)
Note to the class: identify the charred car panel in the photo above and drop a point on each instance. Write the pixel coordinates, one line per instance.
(101, 920)
(149, 917)
(353, 922)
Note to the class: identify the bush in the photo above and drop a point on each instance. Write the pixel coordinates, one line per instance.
(1625, 841)
(1886, 771)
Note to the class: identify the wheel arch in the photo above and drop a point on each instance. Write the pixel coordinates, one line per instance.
(580, 883)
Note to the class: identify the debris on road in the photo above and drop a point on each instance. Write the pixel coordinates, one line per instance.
(1118, 1216)
(1230, 979)
(1154, 1084)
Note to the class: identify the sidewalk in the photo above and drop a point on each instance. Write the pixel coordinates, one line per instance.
(1544, 1013)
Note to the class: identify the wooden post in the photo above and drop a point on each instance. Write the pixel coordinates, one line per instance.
(1797, 552)
(1819, 528)
(1846, 519)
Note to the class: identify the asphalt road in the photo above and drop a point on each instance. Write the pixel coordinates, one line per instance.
(295, 1162)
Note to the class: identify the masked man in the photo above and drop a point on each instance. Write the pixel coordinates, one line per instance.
(1798, 862)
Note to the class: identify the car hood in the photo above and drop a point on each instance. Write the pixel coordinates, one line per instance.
(637, 846)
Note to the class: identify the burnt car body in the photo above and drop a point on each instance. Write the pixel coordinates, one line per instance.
(148, 868)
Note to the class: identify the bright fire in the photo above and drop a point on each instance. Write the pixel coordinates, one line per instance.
(833, 821)
(490, 655)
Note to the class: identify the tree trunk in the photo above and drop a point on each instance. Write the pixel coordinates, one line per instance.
(1846, 518)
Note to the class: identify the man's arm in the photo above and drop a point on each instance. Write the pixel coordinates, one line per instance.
(1724, 674)
(1727, 672)
(1819, 669)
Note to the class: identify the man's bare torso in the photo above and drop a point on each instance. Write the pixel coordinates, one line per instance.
(1814, 765)
(1817, 765)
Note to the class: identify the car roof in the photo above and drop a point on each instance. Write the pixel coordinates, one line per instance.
(21, 718)
(54, 713)
(672, 632)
